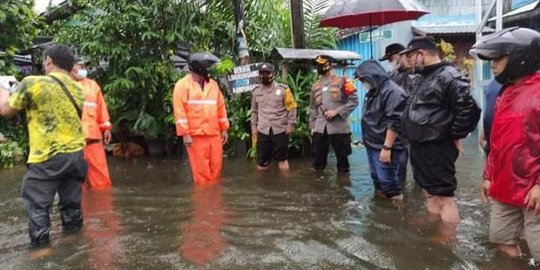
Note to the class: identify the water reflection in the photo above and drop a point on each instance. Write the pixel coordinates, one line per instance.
(155, 218)
(202, 240)
(102, 228)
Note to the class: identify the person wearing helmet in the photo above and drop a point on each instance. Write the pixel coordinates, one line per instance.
(201, 118)
(439, 112)
(273, 117)
(97, 127)
(333, 99)
(512, 171)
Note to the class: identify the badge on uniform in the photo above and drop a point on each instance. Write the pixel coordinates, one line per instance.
(278, 92)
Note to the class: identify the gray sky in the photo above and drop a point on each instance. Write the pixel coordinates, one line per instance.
(41, 5)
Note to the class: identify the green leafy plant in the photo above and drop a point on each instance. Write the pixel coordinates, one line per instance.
(11, 154)
(300, 85)
(19, 25)
(15, 149)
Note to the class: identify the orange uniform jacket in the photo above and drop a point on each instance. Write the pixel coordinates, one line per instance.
(95, 120)
(95, 117)
(199, 112)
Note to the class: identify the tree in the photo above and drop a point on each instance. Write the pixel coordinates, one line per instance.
(19, 25)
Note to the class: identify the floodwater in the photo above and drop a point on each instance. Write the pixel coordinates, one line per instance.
(155, 218)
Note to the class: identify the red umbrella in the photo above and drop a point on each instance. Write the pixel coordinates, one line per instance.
(357, 13)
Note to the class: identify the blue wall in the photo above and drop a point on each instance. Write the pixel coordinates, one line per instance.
(352, 43)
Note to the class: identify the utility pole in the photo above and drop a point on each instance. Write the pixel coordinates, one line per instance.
(297, 24)
(241, 39)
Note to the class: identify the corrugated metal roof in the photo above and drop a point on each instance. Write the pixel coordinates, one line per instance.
(454, 29)
(308, 54)
(447, 24)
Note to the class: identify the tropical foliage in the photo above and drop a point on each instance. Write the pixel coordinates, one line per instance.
(19, 25)
(130, 44)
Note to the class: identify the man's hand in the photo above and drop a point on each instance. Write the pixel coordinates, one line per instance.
(484, 190)
(330, 114)
(224, 137)
(289, 130)
(533, 199)
(5, 109)
(107, 136)
(459, 147)
(482, 141)
(187, 140)
(385, 156)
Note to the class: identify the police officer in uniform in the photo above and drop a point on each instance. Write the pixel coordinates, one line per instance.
(273, 118)
(333, 99)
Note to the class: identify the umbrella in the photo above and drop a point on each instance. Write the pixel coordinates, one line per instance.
(357, 13)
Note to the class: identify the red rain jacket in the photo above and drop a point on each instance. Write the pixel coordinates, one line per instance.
(513, 165)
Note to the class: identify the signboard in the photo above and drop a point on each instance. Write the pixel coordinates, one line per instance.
(520, 3)
(243, 79)
(376, 35)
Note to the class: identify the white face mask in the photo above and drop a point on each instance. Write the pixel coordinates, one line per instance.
(393, 66)
(367, 86)
(82, 73)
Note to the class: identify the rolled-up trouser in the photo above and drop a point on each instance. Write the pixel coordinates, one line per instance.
(63, 173)
(385, 175)
(205, 158)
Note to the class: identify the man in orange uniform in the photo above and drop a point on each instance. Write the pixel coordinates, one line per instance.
(201, 118)
(96, 126)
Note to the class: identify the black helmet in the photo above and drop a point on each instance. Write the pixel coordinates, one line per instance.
(201, 62)
(521, 45)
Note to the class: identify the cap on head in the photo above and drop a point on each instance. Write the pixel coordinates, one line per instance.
(323, 60)
(423, 42)
(266, 67)
(390, 50)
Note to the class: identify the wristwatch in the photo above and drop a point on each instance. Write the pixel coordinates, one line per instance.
(384, 147)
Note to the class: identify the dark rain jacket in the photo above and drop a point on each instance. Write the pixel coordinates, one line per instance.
(383, 105)
(403, 78)
(440, 106)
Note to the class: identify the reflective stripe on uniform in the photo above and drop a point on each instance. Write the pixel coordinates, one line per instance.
(90, 104)
(202, 102)
(105, 124)
(224, 120)
(181, 121)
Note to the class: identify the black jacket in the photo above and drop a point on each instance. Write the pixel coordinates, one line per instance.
(403, 78)
(383, 105)
(440, 106)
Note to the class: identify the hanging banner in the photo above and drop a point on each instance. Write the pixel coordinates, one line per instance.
(243, 78)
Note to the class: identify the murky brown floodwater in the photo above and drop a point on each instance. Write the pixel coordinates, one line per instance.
(154, 218)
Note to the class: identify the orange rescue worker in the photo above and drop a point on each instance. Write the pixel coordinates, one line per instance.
(97, 128)
(201, 118)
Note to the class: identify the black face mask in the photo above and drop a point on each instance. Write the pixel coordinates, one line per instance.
(323, 69)
(267, 80)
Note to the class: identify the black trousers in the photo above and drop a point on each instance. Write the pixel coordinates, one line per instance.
(62, 174)
(341, 143)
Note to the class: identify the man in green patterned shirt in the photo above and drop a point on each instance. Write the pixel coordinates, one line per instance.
(55, 162)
